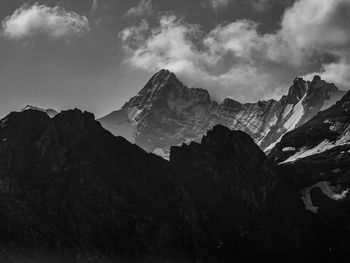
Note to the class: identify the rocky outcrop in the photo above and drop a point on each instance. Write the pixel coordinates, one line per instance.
(166, 113)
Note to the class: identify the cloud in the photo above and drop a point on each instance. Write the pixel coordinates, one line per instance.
(260, 5)
(317, 25)
(172, 46)
(218, 4)
(144, 8)
(321, 27)
(338, 72)
(235, 59)
(55, 22)
(94, 6)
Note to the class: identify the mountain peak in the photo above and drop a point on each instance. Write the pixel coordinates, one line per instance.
(233, 151)
(31, 107)
(163, 75)
(318, 83)
(230, 103)
(50, 112)
(316, 78)
(297, 90)
(220, 138)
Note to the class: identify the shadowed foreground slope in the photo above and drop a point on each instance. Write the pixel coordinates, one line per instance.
(72, 192)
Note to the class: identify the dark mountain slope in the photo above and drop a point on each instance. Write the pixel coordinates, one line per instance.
(232, 177)
(316, 156)
(68, 185)
(72, 192)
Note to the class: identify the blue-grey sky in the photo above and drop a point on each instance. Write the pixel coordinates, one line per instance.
(96, 54)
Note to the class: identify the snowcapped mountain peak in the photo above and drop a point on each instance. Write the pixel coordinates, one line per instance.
(30, 107)
(161, 77)
(160, 84)
(50, 112)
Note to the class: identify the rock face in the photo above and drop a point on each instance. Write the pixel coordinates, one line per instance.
(166, 113)
(328, 131)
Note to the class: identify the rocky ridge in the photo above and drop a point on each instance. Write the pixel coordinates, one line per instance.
(165, 113)
(50, 112)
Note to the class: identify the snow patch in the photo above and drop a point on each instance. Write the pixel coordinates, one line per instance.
(288, 149)
(298, 112)
(272, 145)
(306, 198)
(330, 191)
(287, 110)
(160, 152)
(133, 113)
(322, 147)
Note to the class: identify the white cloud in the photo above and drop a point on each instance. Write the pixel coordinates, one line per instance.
(55, 22)
(321, 27)
(219, 4)
(317, 25)
(144, 8)
(171, 46)
(338, 72)
(233, 59)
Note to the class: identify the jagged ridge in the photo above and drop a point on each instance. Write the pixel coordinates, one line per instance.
(166, 113)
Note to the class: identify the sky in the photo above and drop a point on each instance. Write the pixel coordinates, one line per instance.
(96, 54)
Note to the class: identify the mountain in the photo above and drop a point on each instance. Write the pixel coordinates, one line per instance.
(324, 140)
(70, 191)
(255, 198)
(119, 124)
(165, 113)
(50, 112)
(316, 157)
(69, 188)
